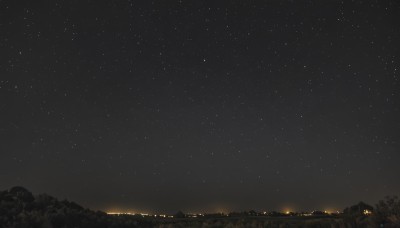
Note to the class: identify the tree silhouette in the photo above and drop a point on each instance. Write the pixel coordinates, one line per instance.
(358, 209)
(179, 214)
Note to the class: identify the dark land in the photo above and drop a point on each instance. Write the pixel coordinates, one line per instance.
(19, 208)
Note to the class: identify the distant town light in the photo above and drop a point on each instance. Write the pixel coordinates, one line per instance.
(367, 212)
(120, 213)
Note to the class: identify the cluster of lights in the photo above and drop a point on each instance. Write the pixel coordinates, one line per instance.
(367, 212)
(141, 214)
(120, 213)
(193, 215)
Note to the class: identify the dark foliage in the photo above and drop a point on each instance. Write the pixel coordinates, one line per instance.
(180, 214)
(388, 211)
(19, 208)
(358, 209)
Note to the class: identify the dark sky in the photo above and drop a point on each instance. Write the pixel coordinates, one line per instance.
(159, 106)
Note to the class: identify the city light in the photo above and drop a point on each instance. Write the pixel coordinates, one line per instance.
(120, 213)
(367, 212)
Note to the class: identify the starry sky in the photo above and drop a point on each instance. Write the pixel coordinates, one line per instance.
(160, 106)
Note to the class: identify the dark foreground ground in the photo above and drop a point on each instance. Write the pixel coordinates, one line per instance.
(304, 222)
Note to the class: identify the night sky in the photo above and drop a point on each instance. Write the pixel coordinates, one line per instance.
(160, 106)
